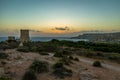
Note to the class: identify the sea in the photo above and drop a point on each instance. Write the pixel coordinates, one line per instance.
(45, 39)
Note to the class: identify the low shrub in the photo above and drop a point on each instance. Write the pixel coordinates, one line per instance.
(3, 56)
(39, 66)
(89, 54)
(43, 53)
(23, 49)
(76, 59)
(29, 75)
(66, 52)
(55, 41)
(65, 60)
(60, 71)
(47, 47)
(97, 64)
(58, 65)
(62, 53)
(4, 47)
(58, 54)
(13, 44)
(70, 57)
(3, 62)
(8, 45)
(5, 78)
(113, 56)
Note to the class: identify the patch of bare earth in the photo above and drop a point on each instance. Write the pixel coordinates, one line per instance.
(17, 63)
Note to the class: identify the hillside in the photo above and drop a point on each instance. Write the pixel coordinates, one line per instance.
(105, 37)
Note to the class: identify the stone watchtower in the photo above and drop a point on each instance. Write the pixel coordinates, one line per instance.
(24, 35)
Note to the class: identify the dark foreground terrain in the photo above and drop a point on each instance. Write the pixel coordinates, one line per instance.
(59, 60)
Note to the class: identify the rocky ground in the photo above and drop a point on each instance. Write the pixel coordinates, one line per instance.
(18, 62)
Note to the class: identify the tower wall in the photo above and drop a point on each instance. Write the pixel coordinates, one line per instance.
(24, 35)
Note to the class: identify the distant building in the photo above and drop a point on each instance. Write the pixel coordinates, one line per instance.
(24, 35)
(11, 38)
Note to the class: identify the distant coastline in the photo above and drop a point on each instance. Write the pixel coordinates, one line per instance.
(45, 39)
(100, 37)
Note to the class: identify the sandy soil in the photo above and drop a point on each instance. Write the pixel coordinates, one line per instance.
(18, 63)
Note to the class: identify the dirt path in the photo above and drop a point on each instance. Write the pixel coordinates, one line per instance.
(105, 65)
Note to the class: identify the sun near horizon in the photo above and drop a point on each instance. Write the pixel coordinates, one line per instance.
(58, 17)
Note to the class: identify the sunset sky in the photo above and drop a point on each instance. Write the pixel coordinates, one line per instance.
(58, 17)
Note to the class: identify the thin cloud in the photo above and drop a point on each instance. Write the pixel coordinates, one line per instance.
(35, 30)
(62, 28)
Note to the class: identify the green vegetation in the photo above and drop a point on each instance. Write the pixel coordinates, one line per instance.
(3, 56)
(54, 45)
(76, 59)
(109, 51)
(8, 45)
(58, 65)
(5, 78)
(70, 57)
(35, 68)
(104, 47)
(62, 53)
(43, 47)
(38, 47)
(43, 53)
(58, 54)
(65, 60)
(29, 75)
(113, 57)
(60, 71)
(3, 62)
(97, 64)
(23, 49)
(39, 66)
